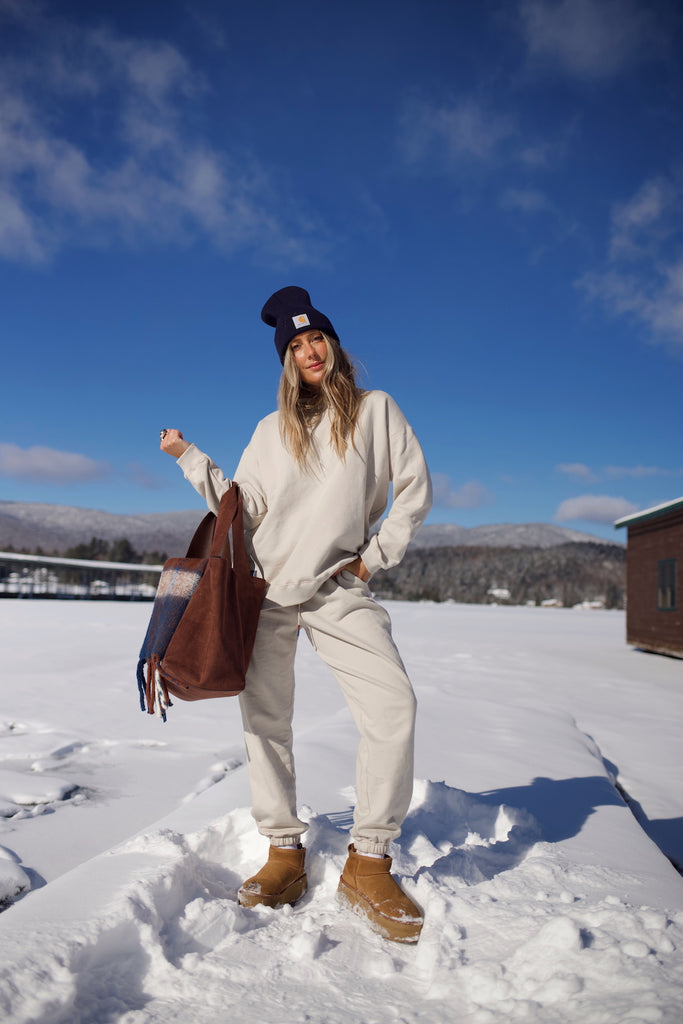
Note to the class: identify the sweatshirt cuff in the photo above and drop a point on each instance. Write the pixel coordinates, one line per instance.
(371, 555)
(190, 459)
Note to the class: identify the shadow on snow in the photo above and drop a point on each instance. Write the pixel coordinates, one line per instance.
(475, 836)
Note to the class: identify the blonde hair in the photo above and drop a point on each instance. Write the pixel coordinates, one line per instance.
(301, 407)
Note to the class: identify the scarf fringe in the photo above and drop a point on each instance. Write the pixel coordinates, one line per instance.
(152, 690)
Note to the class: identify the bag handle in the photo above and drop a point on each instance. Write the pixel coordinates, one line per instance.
(200, 545)
(231, 516)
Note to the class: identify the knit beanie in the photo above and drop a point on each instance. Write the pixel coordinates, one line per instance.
(289, 311)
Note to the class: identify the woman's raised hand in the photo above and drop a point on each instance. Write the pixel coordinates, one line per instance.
(173, 443)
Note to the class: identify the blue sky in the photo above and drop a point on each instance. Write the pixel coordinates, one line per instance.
(486, 198)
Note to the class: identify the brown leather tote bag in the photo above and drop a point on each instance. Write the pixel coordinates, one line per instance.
(211, 641)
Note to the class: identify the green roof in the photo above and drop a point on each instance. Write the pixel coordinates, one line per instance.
(649, 513)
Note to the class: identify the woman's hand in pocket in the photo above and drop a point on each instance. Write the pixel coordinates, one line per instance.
(356, 568)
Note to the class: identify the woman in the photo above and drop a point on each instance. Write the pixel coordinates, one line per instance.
(314, 478)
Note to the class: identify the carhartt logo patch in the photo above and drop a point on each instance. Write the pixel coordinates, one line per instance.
(301, 320)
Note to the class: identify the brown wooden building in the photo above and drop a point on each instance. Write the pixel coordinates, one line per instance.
(654, 578)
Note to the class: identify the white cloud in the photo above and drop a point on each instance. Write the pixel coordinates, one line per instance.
(46, 465)
(643, 275)
(144, 478)
(543, 153)
(526, 200)
(653, 296)
(469, 140)
(645, 219)
(143, 175)
(461, 132)
(580, 471)
(21, 10)
(20, 236)
(472, 494)
(635, 472)
(594, 508)
(577, 470)
(590, 39)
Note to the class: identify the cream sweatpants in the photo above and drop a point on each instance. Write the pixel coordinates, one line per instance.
(352, 634)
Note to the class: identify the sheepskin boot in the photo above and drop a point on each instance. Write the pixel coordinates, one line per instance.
(367, 887)
(282, 879)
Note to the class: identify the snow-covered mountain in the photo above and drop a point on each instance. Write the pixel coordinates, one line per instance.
(500, 535)
(57, 527)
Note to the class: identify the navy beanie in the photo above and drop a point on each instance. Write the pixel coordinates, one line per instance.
(289, 311)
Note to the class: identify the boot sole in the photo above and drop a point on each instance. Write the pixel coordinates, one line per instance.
(395, 931)
(291, 894)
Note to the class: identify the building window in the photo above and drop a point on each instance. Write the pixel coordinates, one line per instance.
(666, 585)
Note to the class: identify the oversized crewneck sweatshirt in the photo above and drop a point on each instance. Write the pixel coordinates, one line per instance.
(303, 525)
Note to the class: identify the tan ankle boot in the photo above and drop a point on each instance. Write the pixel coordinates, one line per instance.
(281, 880)
(367, 887)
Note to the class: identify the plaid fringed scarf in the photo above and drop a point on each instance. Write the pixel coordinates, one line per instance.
(177, 584)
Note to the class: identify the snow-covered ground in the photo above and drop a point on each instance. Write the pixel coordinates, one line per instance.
(124, 840)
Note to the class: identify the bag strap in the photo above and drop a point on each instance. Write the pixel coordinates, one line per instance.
(231, 517)
(200, 545)
(240, 558)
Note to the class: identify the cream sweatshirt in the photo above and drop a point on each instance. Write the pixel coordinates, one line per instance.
(302, 526)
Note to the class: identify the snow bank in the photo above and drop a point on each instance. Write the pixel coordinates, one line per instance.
(514, 931)
(544, 899)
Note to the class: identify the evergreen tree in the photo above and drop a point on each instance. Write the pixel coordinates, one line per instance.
(123, 551)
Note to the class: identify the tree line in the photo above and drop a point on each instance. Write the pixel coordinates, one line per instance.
(568, 573)
(97, 549)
